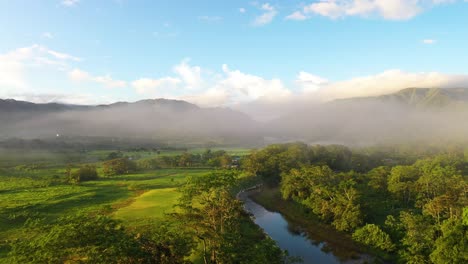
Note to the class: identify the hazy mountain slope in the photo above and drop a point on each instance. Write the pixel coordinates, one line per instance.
(160, 119)
(408, 115)
(419, 97)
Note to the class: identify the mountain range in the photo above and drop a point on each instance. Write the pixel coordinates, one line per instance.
(420, 113)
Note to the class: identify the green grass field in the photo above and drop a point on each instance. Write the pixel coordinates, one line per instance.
(136, 199)
(33, 185)
(151, 204)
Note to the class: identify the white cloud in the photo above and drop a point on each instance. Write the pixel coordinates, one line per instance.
(429, 41)
(63, 56)
(70, 3)
(78, 75)
(209, 98)
(78, 99)
(244, 87)
(269, 13)
(387, 9)
(226, 88)
(11, 74)
(310, 82)
(153, 86)
(390, 81)
(34, 51)
(298, 15)
(15, 64)
(107, 81)
(242, 10)
(191, 75)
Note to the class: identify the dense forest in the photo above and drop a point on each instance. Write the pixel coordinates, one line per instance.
(406, 204)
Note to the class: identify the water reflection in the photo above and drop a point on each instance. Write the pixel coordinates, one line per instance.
(288, 236)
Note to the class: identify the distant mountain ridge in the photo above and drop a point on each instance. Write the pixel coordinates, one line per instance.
(160, 119)
(421, 113)
(425, 114)
(420, 97)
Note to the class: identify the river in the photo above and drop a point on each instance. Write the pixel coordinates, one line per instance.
(297, 243)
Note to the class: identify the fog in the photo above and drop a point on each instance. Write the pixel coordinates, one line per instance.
(367, 123)
(163, 120)
(421, 116)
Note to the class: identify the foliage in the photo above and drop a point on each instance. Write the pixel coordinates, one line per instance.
(118, 167)
(98, 239)
(452, 246)
(217, 220)
(331, 196)
(373, 236)
(427, 190)
(85, 173)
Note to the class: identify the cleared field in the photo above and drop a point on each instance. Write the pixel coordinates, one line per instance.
(136, 199)
(34, 185)
(151, 204)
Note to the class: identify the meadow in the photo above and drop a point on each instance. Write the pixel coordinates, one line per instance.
(34, 185)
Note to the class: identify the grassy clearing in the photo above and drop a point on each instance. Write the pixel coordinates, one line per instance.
(151, 204)
(136, 199)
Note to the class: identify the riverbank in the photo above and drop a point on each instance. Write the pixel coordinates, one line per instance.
(338, 243)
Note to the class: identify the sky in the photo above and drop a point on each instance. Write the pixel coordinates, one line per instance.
(228, 53)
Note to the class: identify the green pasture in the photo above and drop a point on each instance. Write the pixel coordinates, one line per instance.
(136, 199)
(33, 185)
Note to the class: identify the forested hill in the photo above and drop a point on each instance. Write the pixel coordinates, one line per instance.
(158, 119)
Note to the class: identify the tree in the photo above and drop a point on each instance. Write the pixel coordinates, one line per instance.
(208, 209)
(452, 246)
(331, 196)
(85, 173)
(97, 239)
(118, 167)
(373, 236)
(418, 240)
(114, 155)
(401, 182)
(186, 159)
(346, 210)
(378, 178)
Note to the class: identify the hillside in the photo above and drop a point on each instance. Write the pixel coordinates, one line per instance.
(161, 119)
(419, 97)
(411, 114)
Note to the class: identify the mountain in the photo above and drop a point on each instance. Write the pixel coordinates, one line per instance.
(413, 114)
(159, 119)
(419, 97)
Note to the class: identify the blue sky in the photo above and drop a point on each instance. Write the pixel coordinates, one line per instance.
(228, 52)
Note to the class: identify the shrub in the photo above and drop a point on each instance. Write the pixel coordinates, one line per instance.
(85, 173)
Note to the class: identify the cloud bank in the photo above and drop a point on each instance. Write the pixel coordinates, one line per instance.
(387, 9)
(260, 96)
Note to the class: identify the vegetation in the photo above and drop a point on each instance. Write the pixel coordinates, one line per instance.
(98, 239)
(63, 213)
(118, 166)
(219, 222)
(403, 204)
(85, 173)
(407, 204)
